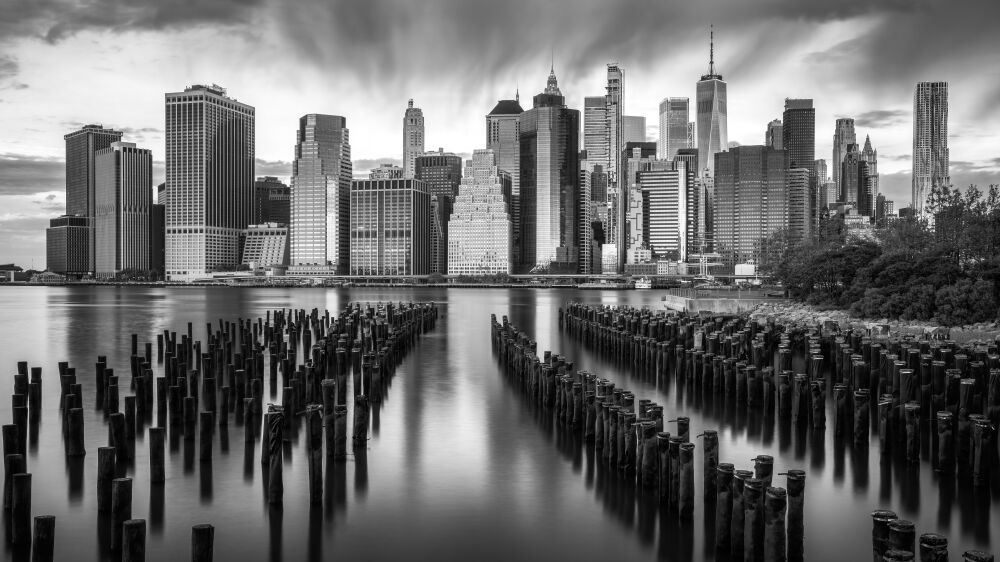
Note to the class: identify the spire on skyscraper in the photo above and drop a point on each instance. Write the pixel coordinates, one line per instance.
(712, 75)
(552, 85)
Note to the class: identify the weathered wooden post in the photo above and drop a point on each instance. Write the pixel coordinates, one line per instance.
(946, 442)
(933, 548)
(205, 438)
(134, 540)
(43, 541)
(736, 541)
(20, 509)
(763, 466)
(685, 503)
(360, 436)
(275, 485)
(753, 520)
(203, 542)
(880, 532)
(912, 417)
(340, 432)
(121, 509)
(724, 507)
(710, 463)
(190, 418)
(75, 441)
(902, 535)
(976, 556)
(796, 486)
(314, 447)
(775, 503)
(157, 472)
(116, 436)
(861, 423)
(105, 476)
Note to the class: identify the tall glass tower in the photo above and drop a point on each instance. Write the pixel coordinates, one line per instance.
(843, 136)
(713, 132)
(321, 195)
(930, 141)
(674, 122)
(210, 180)
(81, 148)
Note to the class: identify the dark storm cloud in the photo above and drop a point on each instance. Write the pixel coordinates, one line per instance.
(55, 20)
(26, 175)
(880, 118)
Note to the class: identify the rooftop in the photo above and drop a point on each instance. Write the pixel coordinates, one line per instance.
(507, 107)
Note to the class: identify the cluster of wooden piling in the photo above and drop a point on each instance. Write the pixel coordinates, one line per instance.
(753, 520)
(201, 390)
(734, 360)
(895, 540)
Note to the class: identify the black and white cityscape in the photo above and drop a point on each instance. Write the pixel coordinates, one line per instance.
(453, 279)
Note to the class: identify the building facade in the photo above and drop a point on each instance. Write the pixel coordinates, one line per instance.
(413, 138)
(670, 214)
(930, 141)
(798, 133)
(711, 115)
(271, 201)
(67, 243)
(265, 245)
(480, 229)
(390, 227)
(675, 119)
(124, 199)
(633, 129)
(751, 199)
(549, 160)
(803, 220)
(773, 136)
(843, 136)
(210, 174)
(319, 226)
(503, 130)
(81, 149)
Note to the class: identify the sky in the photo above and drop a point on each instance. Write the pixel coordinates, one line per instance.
(65, 63)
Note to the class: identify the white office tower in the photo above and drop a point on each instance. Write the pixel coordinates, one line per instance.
(479, 232)
(210, 180)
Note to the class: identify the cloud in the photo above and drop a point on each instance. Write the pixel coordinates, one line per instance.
(8, 67)
(278, 168)
(880, 118)
(27, 175)
(55, 20)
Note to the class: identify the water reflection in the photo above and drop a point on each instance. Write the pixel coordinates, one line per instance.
(456, 463)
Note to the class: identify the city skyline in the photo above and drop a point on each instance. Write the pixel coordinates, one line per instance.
(868, 49)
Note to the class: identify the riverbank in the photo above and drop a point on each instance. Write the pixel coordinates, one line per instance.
(803, 315)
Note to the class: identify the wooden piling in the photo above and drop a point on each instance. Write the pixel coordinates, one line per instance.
(360, 435)
(202, 543)
(75, 440)
(121, 509)
(775, 504)
(933, 548)
(105, 477)
(724, 507)
(134, 540)
(20, 509)
(795, 485)
(157, 473)
(43, 541)
(314, 450)
(207, 427)
(275, 430)
(880, 532)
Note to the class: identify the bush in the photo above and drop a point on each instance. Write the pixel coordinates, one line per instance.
(966, 302)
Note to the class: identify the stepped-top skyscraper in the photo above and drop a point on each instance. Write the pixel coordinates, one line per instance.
(930, 141)
(550, 179)
(321, 195)
(712, 130)
(81, 148)
(413, 138)
(674, 121)
(210, 180)
(843, 136)
(479, 232)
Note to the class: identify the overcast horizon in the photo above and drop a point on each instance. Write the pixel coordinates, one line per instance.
(65, 63)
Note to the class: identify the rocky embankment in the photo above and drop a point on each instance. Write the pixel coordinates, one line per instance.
(804, 315)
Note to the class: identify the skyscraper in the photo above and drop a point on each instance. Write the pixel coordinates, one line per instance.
(713, 133)
(550, 179)
(441, 171)
(81, 147)
(413, 138)
(855, 183)
(272, 201)
(798, 133)
(66, 243)
(633, 129)
(595, 131)
(390, 227)
(930, 141)
(751, 195)
(801, 205)
(843, 135)
(870, 157)
(319, 231)
(124, 198)
(210, 174)
(670, 214)
(615, 134)
(503, 126)
(479, 232)
(674, 124)
(773, 137)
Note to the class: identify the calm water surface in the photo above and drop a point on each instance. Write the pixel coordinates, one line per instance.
(458, 467)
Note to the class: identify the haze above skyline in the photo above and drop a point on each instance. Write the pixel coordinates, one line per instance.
(66, 63)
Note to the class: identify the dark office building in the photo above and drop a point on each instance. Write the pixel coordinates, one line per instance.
(81, 182)
(157, 240)
(67, 243)
(271, 201)
(798, 133)
(441, 171)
